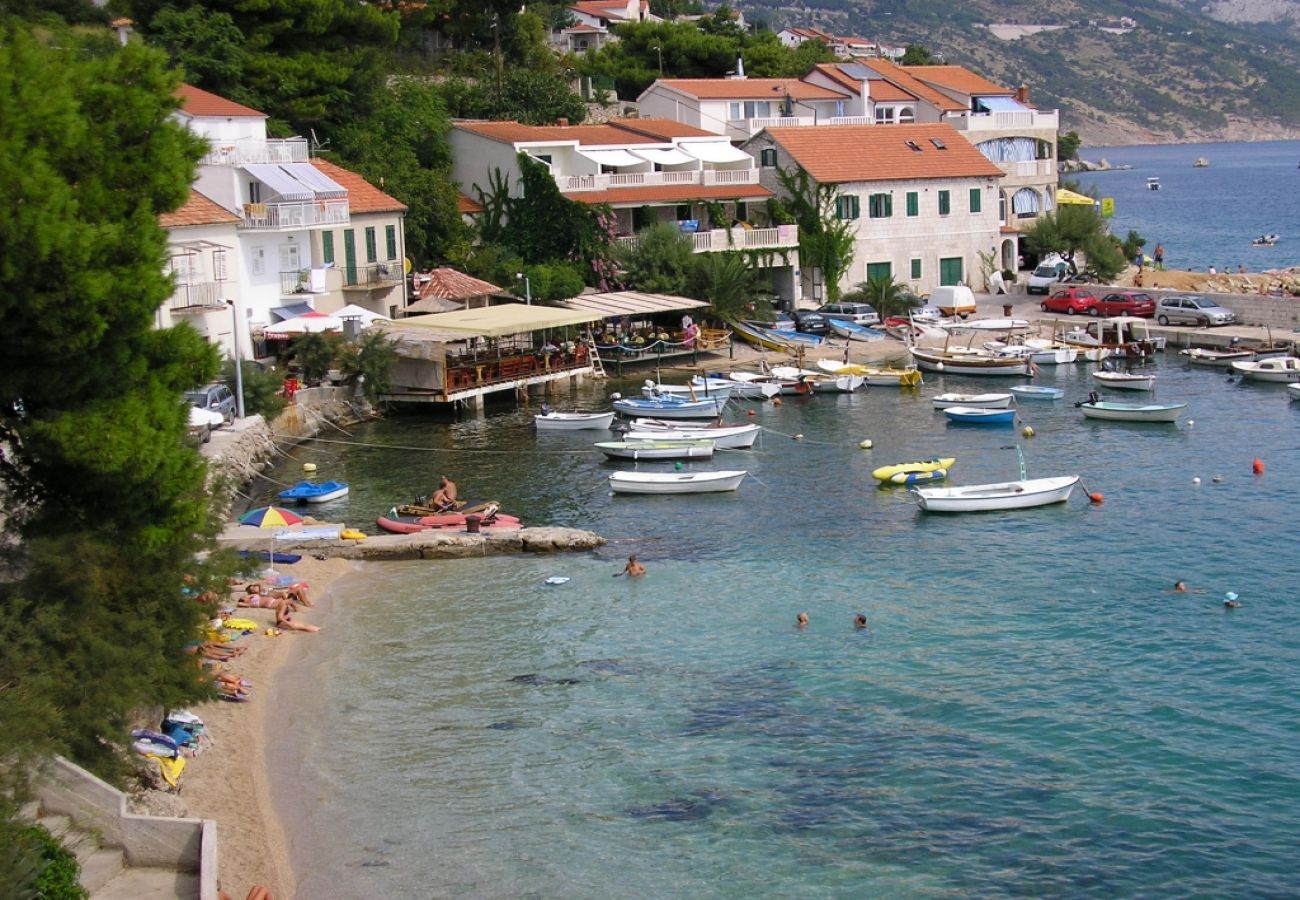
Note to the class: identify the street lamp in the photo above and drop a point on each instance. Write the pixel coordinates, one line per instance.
(528, 288)
(239, 363)
(660, 51)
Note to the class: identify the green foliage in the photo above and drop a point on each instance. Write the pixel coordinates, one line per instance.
(526, 95)
(727, 282)
(554, 281)
(825, 241)
(1079, 230)
(1067, 145)
(206, 44)
(59, 877)
(660, 262)
(884, 293)
(263, 389)
(315, 354)
(918, 55)
(369, 363)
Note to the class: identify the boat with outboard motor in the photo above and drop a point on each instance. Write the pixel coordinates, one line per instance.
(1094, 408)
(1275, 368)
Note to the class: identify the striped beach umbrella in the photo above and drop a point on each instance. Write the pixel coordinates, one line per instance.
(270, 517)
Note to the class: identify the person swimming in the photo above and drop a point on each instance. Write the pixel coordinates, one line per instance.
(801, 620)
(632, 569)
(859, 621)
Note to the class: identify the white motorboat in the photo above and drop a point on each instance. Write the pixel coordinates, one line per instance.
(736, 437)
(822, 382)
(753, 386)
(1202, 356)
(675, 482)
(988, 497)
(558, 421)
(657, 449)
(1294, 390)
(1125, 381)
(975, 401)
(1276, 368)
(1132, 412)
(968, 363)
(1041, 352)
(1126, 336)
(695, 389)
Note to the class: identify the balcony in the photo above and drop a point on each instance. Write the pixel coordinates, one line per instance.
(375, 277)
(292, 216)
(740, 129)
(196, 299)
(1027, 121)
(1035, 168)
(720, 239)
(254, 152)
(577, 183)
(850, 120)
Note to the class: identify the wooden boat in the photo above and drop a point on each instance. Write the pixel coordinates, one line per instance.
(695, 389)
(1277, 368)
(880, 376)
(972, 415)
(675, 482)
(670, 408)
(314, 492)
(821, 382)
(399, 524)
(855, 332)
(761, 337)
(920, 470)
(1202, 356)
(736, 437)
(978, 401)
(1039, 351)
(657, 449)
(967, 363)
(1125, 381)
(798, 338)
(1020, 494)
(1126, 336)
(1132, 412)
(558, 421)
(983, 326)
(1036, 392)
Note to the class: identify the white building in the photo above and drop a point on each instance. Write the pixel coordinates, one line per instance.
(739, 108)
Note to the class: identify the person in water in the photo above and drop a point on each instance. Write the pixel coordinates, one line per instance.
(1180, 587)
(1230, 600)
(632, 569)
(801, 620)
(859, 621)
(444, 497)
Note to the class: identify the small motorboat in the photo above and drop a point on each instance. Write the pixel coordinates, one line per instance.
(1125, 381)
(314, 492)
(1131, 412)
(821, 382)
(911, 472)
(989, 497)
(1293, 389)
(656, 448)
(979, 401)
(696, 389)
(675, 482)
(971, 415)
(735, 437)
(1275, 368)
(1265, 240)
(1202, 356)
(1153, 183)
(1037, 392)
(558, 421)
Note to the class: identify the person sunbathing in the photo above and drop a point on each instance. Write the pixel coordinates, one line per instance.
(254, 596)
(213, 650)
(286, 621)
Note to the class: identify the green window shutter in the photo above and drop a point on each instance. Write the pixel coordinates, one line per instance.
(855, 206)
(976, 199)
(916, 269)
(913, 204)
(390, 238)
(889, 205)
(767, 159)
(372, 252)
(945, 203)
(327, 246)
(879, 270)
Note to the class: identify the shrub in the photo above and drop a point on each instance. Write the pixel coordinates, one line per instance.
(262, 388)
(59, 876)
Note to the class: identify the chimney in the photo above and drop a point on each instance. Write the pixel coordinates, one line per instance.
(1022, 94)
(562, 122)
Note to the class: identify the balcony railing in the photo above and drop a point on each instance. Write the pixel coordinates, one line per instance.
(1034, 120)
(197, 298)
(372, 277)
(850, 120)
(576, 183)
(281, 216)
(720, 239)
(1034, 168)
(254, 152)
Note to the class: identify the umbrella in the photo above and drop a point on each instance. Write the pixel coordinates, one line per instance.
(270, 517)
(311, 322)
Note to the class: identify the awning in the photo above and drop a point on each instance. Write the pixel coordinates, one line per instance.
(1064, 195)
(281, 182)
(629, 303)
(497, 321)
(715, 152)
(291, 311)
(664, 157)
(307, 323)
(314, 178)
(1001, 104)
(352, 311)
(616, 158)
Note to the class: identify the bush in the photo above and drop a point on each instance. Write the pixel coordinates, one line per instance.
(370, 363)
(262, 389)
(60, 873)
(314, 354)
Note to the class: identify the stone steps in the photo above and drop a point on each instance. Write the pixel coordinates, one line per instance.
(104, 871)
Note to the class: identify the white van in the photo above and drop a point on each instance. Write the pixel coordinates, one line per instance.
(953, 300)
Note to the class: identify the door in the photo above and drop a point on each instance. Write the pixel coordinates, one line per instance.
(349, 257)
(950, 270)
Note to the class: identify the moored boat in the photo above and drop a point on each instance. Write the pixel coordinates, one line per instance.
(736, 437)
(762, 337)
(558, 421)
(1020, 494)
(314, 492)
(881, 376)
(984, 326)
(670, 407)
(696, 389)
(819, 381)
(919, 470)
(1132, 412)
(1125, 381)
(968, 363)
(657, 449)
(980, 401)
(972, 415)
(675, 482)
(1203, 356)
(1126, 336)
(1293, 389)
(855, 332)
(1036, 392)
(1276, 368)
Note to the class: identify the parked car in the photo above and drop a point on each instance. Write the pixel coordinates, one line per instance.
(783, 321)
(1193, 310)
(1070, 300)
(1050, 272)
(215, 397)
(810, 321)
(857, 313)
(201, 423)
(1125, 303)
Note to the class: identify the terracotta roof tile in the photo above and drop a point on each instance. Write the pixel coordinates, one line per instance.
(467, 204)
(583, 28)
(197, 209)
(363, 197)
(449, 284)
(750, 88)
(516, 133)
(902, 78)
(673, 193)
(198, 102)
(608, 10)
(958, 79)
(662, 129)
(880, 153)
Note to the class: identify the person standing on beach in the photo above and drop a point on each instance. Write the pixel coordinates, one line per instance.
(1159, 256)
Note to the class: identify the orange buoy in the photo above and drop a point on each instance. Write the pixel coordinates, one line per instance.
(1097, 498)
(1257, 466)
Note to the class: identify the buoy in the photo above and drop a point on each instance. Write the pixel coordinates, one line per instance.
(1217, 478)
(1196, 481)
(752, 413)
(1257, 466)
(776, 401)
(1027, 432)
(798, 437)
(1191, 422)
(1097, 497)
(939, 366)
(677, 466)
(866, 445)
(311, 467)
(616, 396)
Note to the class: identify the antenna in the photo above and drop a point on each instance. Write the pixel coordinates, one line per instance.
(317, 145)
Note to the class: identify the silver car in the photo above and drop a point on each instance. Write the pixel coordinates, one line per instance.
(1192, 310)
(857, 313)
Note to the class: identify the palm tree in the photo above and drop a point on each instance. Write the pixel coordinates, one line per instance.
(884, 293)
(725, 281)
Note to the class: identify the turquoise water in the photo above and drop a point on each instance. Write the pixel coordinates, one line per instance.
(1206, 217)
(1030, 712)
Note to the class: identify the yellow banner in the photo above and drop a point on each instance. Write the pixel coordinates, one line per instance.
(1107, 207)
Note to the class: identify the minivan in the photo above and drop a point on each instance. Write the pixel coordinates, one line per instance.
(953, 300)
(1051, 270)
(215, 397)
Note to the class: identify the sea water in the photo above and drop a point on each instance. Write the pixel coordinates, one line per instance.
(1205, 216)
(1030, 710)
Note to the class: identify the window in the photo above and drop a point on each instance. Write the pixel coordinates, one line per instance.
(880, 206)
(916, 268)
(906, 114)
(976, 200)
(839, 107)
(767, 159)
(846, 207)
(750, 109)
(289, 258)
(950, 270)
(938, 144)
(254, 192)
(372, 251)
(742, 210)
(258, 262)
(913, 145)
(327, 246)
(913, 204)
(879, 270)
(683, 213)
(219, 265)
(733, 110)
(945, 202)
(390, 240)
(884, 115)
(543, 157)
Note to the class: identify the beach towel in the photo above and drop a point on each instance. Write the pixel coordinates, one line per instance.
(170, 770)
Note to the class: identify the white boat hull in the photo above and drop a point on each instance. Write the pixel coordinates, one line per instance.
(1279, 369)
(1134, 412)
(975, 401)
(1219, 359)
(968, 364)
(990, 497)
(1294, 390)
(675, 482)
(573, 421)
(658, 448)
(1035, 392)
(699, 409)
(712, 389)
(740, 437)
(325, 498)
(1122, 382)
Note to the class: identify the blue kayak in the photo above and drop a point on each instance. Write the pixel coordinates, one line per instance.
(314, 492)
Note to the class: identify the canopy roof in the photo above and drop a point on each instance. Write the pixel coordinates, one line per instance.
(1064, 195)
(296, 181)
(308, 323)
(663, 157)
(714, 151)
(611, 157)
(497, 321)
(629, 303)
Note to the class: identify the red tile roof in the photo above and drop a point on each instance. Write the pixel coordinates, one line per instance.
(467, 204)
(836, 74)
(903, 78)
(198, 102)
(663, 129)
(880, 153)
(197, 210)
(750, 88)
(673, 193)
(608, 9)
(449, 284)
(515, 133)
(583, 28)
(363, 197)
(958, 79)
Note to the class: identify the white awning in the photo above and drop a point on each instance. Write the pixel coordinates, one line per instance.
(611, 157)
(715, 152)
(663, 157)
(280, 181)
(314, 178)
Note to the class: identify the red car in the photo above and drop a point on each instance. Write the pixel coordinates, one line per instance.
(1125, 303)
(1070, 300)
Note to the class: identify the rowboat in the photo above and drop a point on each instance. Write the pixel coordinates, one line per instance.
(696, 389)
(968, 363)
(675, 482)
(855, 332)
(881, 376)
(1132, 412)
(1125, 381)
(1294, 390)
(973, 415)
(983, 326)
(657, 449)
(398, 524)
(753, 386)
(759, 336)
(1037, 351)
(558, 421)
(736, 437)
(821, 382)
(978, 401)
(1278, 368)
(921, 470)
(1202, 356)
(988, 497)
(1036, 392)
(670, 408)
(314, 492)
